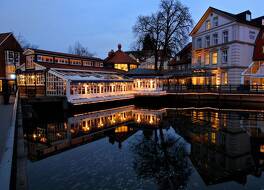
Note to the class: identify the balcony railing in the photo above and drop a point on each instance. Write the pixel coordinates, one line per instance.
(232, 89)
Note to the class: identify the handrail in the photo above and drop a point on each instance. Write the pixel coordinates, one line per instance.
(232, 89)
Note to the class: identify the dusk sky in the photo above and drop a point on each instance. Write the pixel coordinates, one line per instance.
(97, 24)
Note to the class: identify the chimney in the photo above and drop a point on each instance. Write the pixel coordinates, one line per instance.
(119, 47)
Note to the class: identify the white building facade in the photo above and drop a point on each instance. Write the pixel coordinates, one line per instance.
(223, 45)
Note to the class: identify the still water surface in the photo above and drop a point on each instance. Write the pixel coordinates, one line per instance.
(134, 148)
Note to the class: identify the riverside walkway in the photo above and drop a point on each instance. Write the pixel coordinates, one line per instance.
(7, 135)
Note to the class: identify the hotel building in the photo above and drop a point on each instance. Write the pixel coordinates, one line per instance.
(223, 45)
(10, 58)
(80, 79)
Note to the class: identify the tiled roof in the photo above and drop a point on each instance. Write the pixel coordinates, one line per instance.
(60, 54)
(4, 36)
(120, 57)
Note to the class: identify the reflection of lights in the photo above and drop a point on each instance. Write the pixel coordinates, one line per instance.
(43, 139)
(72, 131)
(58, 135)
(34, 136)
(85, 129)
(122, 129)
(261, 148)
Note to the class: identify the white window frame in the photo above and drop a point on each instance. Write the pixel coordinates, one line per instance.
(215, 38)
(225, 56)
(207, 41)
(225, 36)
(215, 21)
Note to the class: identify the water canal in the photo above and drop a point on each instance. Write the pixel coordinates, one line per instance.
(130, 147)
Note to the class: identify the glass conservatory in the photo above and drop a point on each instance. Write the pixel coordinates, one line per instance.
(254, 76)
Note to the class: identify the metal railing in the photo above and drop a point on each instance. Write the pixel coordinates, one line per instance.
(232, 89)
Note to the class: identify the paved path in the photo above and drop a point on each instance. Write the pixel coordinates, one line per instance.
(5, 122)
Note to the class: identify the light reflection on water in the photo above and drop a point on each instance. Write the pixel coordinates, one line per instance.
(134, 148)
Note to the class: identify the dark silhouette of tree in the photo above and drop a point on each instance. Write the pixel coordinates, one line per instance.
(148, 43)
(79, 49)
(24, 43)
(169, 27)
(162, 157)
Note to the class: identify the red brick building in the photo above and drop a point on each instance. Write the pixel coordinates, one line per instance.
(10, 58)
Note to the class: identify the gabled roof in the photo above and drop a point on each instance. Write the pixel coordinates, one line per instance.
(60, 54)
(120, 57)
(235, 17)
(4, 36)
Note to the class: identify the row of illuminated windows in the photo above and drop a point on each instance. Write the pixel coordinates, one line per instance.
(97, 89)
(213, 57)
(215, 40)
(12, 57)
(31, 79)
(50, 59)
(125, 67)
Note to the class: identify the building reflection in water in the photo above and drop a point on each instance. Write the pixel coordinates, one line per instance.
(225, 145)
(117, 124)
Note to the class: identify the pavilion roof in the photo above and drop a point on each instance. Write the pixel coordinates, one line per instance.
(89, 76)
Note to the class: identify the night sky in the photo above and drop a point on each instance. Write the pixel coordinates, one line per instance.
(97, 24)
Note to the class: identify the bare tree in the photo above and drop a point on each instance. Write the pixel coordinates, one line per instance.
(152, 26)
(177, 23)
(169, 28)
(79, 49)
(24, 43)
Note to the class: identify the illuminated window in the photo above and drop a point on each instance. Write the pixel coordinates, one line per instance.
(87, 63)
(199, 59)
(10, 69)
(123, 67)
(215, 57)
(133, 66)
(224, 56)
(224, 78)
(207, 58)
(263, 49)
(215, 38)
(215, 21)
(75, 62)
(1, 86)
(208, 25)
